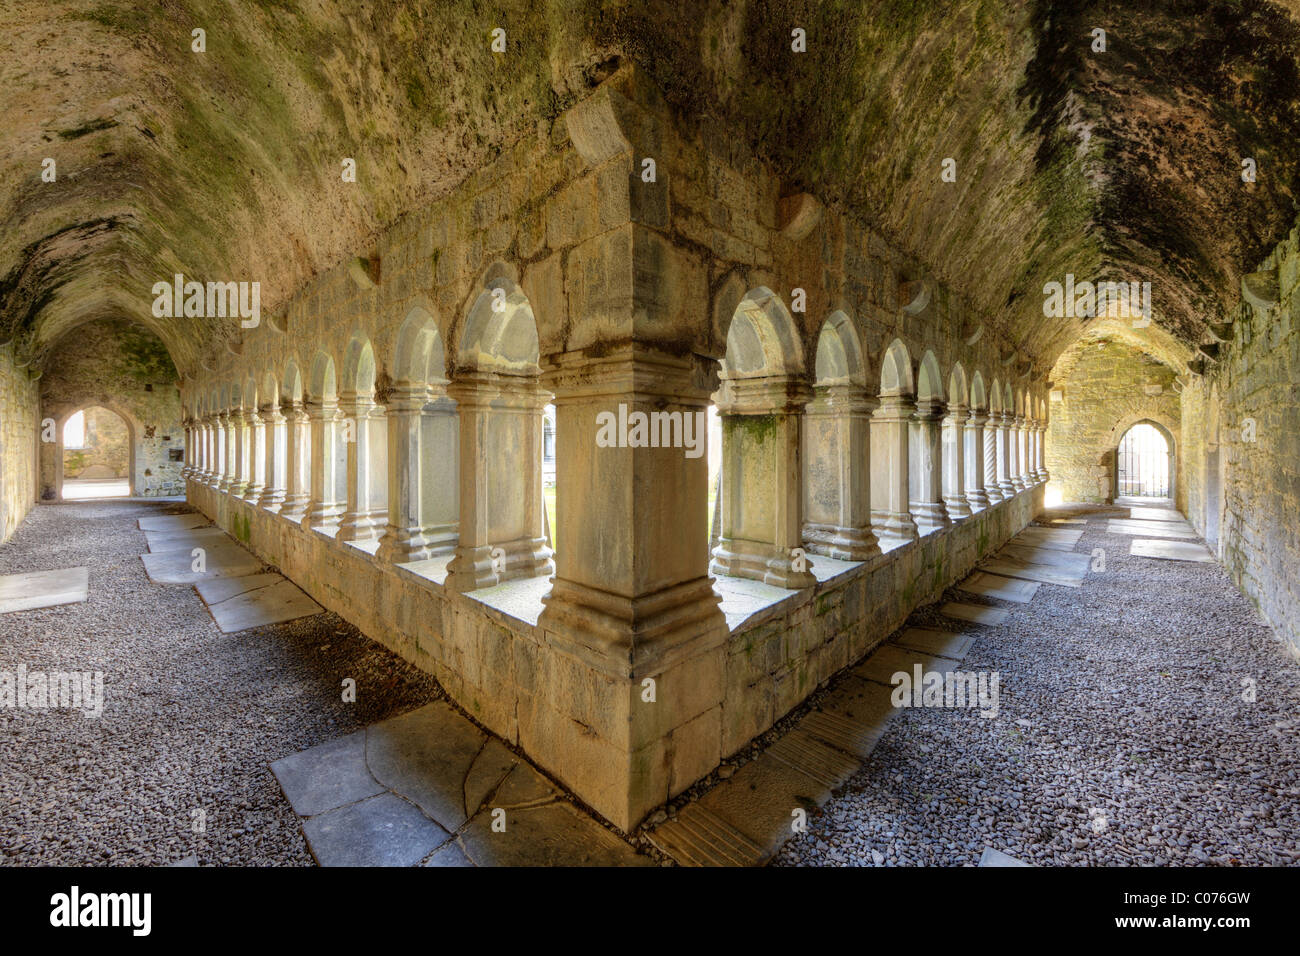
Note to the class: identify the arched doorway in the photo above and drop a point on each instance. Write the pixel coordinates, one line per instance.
(96, 455)
(1143, 463)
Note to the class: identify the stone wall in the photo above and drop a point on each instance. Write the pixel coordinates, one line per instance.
(1244, 494)
(119, 366)
(1101, 387)
(19, 406)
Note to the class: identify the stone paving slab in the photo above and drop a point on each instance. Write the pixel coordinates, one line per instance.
(1069, 521)
(1149, 529)
(423, 787)
(327, 776)
(1171, 550)
(975, 613)
(384, 830)
(221, 560)
(939, 643)
(555, 834)
(1070, 560)
(220, 589)
(890, 659)
(1042, 573)
(193, 538)
(1155, 514)
(274, 604)
(995, 586)
(1057, 538)
(172, 522)
(37, 589)
(852, 717)
(992, 857)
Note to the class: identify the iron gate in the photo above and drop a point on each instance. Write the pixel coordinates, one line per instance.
(1143, 463)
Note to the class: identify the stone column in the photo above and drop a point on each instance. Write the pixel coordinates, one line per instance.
(837, 473)
(229, 429)
(500, 482)
(1005, 485)
(297, 462)
(1040, 450)
(762, 496)
(273, 456)
(256, 469)
(242, 445)
(890, 484)
(632, 593)
(422, 474)
(954, 463)
(975, 493)
(324, 509)
(366, 513)
(925, 464)
(1018, 457)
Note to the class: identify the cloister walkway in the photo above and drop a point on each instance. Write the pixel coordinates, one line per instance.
(1143, 718)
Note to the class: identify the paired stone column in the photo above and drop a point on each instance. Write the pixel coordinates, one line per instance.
(1040, 452)
(501, 534)
(925, 464)
(1019, 456)
(366, 513)
(324, 509)
(423, 474)
(297, 462)
(273, 457)
(255, 470)
(954, 463)
(229, 454)
(974, 436)
(1006, 486)
(762, 497)
(837, 473)
(890, 483)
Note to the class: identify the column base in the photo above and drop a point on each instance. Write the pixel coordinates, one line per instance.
(978, 500)
(633, 637)
(843, 544)
(958, 507)
(1008, 488)
(929, 515)
(894, 527)
(362, 525)
(324, 518)
(294, 507)
(486, 565)
(760, 561)
(404, 545)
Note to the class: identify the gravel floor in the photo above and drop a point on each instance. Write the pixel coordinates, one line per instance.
(193, 717)
(1122, 738)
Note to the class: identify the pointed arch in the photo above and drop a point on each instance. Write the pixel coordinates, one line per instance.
(896, 370)
(419, 356)
(762, 339)
(839, 357)
(978, 396)
(500, 331)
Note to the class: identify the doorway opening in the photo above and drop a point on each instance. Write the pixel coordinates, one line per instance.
(96, 455)
(1142, 463)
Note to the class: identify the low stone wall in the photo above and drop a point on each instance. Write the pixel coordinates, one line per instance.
(573, 718)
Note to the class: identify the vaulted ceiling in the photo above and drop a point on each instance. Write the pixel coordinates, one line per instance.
(1121, 164)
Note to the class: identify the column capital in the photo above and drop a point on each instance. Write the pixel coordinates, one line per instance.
(769, 395)
(631, 372)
